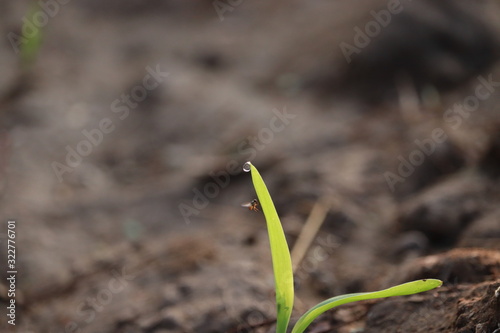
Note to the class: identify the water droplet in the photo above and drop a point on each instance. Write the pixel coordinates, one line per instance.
(246, 166)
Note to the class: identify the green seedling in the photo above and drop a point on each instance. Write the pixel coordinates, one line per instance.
(31, 43)
(283, 274)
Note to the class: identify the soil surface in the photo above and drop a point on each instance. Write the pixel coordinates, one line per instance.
(122, 144)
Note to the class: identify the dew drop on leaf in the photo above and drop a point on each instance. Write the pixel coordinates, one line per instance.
(246, 166)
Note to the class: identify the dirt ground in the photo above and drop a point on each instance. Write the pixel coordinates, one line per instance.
(122, 145)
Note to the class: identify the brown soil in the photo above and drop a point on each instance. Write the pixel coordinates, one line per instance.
(142, 229)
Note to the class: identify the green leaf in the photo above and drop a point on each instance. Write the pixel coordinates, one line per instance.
(282, 263)
(400, 290)
(32, 43)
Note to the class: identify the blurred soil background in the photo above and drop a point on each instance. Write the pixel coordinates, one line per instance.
(121, 149)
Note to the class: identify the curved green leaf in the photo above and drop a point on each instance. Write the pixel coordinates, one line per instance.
(282, 263)
(400, 290)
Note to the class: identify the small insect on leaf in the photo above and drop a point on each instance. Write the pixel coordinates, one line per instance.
(252, 205)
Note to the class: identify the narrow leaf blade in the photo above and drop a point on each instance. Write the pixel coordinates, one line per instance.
(409, 288)
(282, 263)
